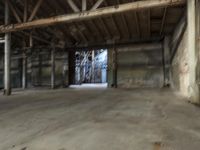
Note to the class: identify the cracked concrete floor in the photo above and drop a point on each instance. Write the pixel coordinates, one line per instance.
(100, 119)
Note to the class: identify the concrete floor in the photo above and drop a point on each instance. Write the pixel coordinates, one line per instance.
(100, 119)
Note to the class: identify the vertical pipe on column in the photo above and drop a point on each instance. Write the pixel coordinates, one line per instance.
(7, 46)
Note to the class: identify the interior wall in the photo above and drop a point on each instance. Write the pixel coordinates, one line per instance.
(41, 69)
(137, 67)
(180, 68)
(15, 71)
(38, 69)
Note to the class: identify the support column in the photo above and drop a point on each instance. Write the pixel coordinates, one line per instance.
(53, 68)
(115, 68)
(24, 66)
(166, 57)
(40, 69)
(93, 66)
(24, 71)
(7, 46)
(29, 61)
(193, 89)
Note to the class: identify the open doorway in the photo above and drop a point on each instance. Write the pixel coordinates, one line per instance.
(90, 68)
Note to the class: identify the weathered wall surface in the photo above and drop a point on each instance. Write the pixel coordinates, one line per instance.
(38, 69)
(41, 69)
(179, 68)
(15, 72)
(137, 67)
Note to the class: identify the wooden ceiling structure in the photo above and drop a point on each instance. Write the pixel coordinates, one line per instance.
(88, 23)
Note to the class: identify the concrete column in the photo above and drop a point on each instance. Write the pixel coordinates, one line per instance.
(53, 68)
(166, 56)
(193, 89)
(7, 47)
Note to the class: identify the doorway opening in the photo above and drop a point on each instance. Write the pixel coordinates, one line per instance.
(91, 68)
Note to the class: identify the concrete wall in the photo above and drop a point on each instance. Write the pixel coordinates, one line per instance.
(41, 69)
(38, 69)
(137, 66)
(180, 68)
(15, 72)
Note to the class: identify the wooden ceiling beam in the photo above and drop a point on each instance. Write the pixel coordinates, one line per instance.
(139, 5)
(149, 22)
(37, 6)
(137, 24)
(84, 5)
(25, 10)
(73, 6)
(14, 11)
(82, 35)
(163, 20)
(115, 25)
(97, 4)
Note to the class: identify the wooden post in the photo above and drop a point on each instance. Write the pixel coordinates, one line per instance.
(7, 46)
(71, 67)
(93, 66)
(29, 59)
(166, 57)
(192, 53)
(24, 66)
(53, 67)
(115, 68)
(24, 70)
(31, 39)
(198, 40)
(40, 69)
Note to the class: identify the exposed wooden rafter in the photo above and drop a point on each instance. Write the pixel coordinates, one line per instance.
(97, 4)
(12, 8)
(73, 6)
(84, 5)
(163, 21)
(139, 5)
(25, 10)
(37, 6)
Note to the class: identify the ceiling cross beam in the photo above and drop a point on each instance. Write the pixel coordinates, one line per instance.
(73, 6)
(14, 11)
(97, 4)
(67, 18)
(25, 10)
(36, 8)
(84, 5)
